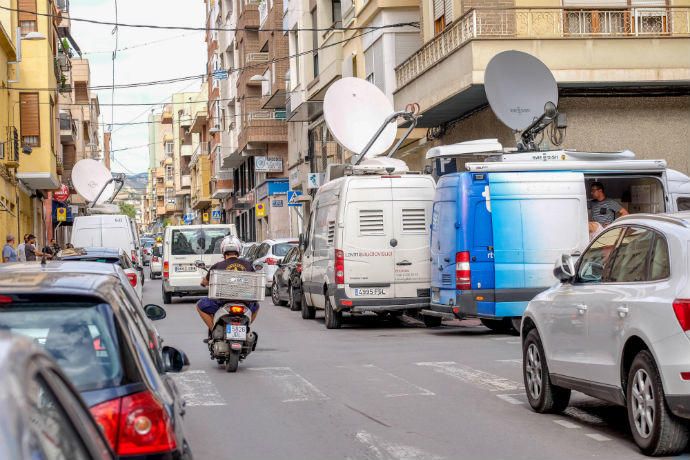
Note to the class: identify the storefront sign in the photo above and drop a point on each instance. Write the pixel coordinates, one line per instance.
(248, 198)
(268, 164)
(62, 194)
(277, 203)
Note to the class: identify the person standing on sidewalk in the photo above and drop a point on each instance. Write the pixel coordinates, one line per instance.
(8, 252)
(31, 252)
(21, 249)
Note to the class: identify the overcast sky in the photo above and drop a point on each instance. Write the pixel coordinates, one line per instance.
(177, 53)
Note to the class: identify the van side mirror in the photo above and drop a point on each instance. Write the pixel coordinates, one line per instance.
(564, 269)
(199, 264)
(174, 360)
(154, 312)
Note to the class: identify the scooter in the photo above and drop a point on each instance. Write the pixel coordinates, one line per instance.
(231, 339)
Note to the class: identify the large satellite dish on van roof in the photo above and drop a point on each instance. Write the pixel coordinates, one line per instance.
(89, 178)
(354, 109)
(518, 87)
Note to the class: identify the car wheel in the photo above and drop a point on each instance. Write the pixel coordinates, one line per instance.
(432, 321)
(233, 362)
(334, 319)
(307, 311)
(502, 325)
(295, 299)
(543, 396)
(167, 297)
(655, 429)
(275, 297)
(150, 275)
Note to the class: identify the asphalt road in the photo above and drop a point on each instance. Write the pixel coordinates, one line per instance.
(375, 390)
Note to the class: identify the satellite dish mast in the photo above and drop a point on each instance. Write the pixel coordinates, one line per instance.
(95, 183)
(523, 94)
(362, 119)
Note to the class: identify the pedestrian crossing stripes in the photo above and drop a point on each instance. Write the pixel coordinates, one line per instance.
(476, 377)
(295, 388)
(196, 389)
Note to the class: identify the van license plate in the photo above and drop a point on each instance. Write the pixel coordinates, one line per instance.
(369, 292)
(185, 268)
(235, 332)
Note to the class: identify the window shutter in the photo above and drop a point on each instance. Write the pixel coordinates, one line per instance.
(647, 3)
(595, 3)
(405, 45)
(449, 11)
(27, 10)
(439, 9)
(369, 62)
(29, 114)
(379, 70)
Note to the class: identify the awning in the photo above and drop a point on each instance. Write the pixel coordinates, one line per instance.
(221, 193)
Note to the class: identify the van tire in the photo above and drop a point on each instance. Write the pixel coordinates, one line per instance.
(432, 321)
(167, 297)
(307, 311)
(334, 319)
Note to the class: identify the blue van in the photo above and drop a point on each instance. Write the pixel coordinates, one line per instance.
(498, 228)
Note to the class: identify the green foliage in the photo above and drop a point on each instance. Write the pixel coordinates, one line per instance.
(128, 209)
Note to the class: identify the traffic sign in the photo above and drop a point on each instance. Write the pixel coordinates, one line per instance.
(215, 215)
(260, 210)
(204, 217)
(188, 218)
(62, 194)
(61, 214)
(292, 196)
(220, 74)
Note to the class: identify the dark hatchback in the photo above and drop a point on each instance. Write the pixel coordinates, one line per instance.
(287, 281)
(89, 319)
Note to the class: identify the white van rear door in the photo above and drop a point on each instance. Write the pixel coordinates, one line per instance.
(412, 271)
(369, 260)
(537, 216)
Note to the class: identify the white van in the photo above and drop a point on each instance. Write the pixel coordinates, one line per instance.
(366, 248)
(108, 231)
(183, 245)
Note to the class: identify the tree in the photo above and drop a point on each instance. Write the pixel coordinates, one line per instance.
(128, 209)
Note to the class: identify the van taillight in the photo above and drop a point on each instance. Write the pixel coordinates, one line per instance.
(166, 270)
(339, 267)
(136, 424)
(681, 308)
(462, 271)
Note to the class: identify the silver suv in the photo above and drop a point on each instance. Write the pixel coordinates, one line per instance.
(617, 328)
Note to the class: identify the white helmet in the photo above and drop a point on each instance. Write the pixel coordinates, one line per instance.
(231, 244)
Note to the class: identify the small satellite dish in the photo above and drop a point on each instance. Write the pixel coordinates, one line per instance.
(518, 87)
(354, 110)
(89, 177)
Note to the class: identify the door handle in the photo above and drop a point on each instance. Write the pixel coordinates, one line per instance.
(582, 308)
(404, 262)
(622, 311)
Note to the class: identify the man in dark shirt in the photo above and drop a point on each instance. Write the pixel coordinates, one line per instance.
(30, 249)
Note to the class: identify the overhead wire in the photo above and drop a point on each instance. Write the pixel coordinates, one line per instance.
(137, 45)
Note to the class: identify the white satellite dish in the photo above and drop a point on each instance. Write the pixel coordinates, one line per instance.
(354, 110)
(89, 177)
(518, 86)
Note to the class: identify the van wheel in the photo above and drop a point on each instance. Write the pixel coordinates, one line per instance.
(502, 325)
(295, 299)
(334, 319)
(167, 298)
(432, 321)
(655, 429)
(543, 396)
(307, 311)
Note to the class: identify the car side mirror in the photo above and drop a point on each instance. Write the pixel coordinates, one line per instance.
(154, 312)
(199, 264)
(564, 269)
(174, 360)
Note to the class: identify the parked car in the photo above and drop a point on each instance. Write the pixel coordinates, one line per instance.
(250, 253)
(109, 256)
(146, 249)
(366, 248)
(106, 230)
(88, 317)
(156, 265)
(617, 327)
(184, 245)
(286, 289)
(269, 254)
(36, 390)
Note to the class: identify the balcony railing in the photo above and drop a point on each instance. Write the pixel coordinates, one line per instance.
(537, 23)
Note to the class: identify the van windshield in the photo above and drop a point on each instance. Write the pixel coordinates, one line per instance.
(189, 242)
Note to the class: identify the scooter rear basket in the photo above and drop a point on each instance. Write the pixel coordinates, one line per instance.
(236, 285)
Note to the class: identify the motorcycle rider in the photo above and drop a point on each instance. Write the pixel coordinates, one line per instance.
(207, 308)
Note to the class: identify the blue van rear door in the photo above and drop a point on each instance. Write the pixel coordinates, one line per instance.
(443, 233)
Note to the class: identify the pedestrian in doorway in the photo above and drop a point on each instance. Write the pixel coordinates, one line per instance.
(604, 210)
(31, 252)
(8, 252)
(21, 249)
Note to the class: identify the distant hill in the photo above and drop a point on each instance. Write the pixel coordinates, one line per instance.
(137, 181)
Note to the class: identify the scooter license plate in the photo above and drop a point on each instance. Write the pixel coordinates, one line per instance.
(235, 332)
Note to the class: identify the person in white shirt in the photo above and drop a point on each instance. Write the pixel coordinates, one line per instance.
(21, 250)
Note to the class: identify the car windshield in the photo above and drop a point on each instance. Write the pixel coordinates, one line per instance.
(80, 335)
(281, 249)
(105, 260)
(148, 244)
(197, 241)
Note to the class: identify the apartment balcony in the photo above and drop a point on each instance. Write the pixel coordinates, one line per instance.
(186, 181)
(172, 208)
(170, 182)
(185, 121)
(248, 15)
(612, 49)
(160, 211)
(167, 115)
(201, 198)
(274, 91)
(199, 121)
(263, 127)
(186, 150)
(68, 129)
(200, 151)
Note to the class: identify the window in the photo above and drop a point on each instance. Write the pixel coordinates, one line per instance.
(593, 262)
(262, 251)
(29, 119)
(197, 242)
(373, 61)
(683, 204)
(443, 14)
(660, 265)
(27, 16)
(315, 43)
(281, 249)
(2, 150)
(632, 254)
(169, 148)
(336, 13)
(371, 221)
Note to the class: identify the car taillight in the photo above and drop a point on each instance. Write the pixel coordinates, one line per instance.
(339, 267)
(237, 309)
(166, 270)
(462, 271)
(136, 424)
(298, 267)
(132, 277)
(271, 261)
(681, 307)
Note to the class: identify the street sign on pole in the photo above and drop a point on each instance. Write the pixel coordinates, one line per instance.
(260, 210)
(204, 217)
(215, 215)
(292, 196)
(61, 214)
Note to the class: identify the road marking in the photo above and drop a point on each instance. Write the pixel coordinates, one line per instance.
(501, 338)
(567, 424)
(512, 362)
(598, 437)
(196, 389)
(390, 385)
(384, 450)
(295, 387)
(513, 342)
(476, 377)
(509, 399)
